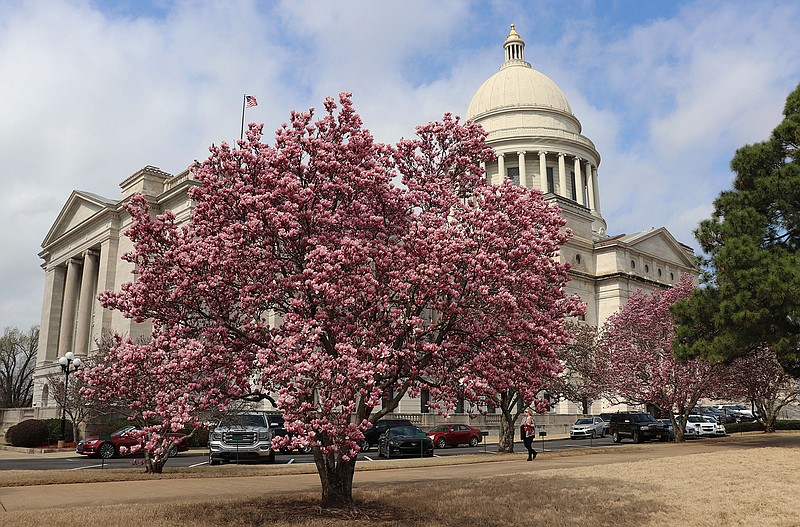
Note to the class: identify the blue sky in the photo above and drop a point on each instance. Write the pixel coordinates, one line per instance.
(91, 91)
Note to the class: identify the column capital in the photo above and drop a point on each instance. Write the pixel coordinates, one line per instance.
(521, 152)
(562, 154)
(501, 154)
(578, 159)
(543, 152)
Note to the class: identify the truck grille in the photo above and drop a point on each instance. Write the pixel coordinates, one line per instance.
(240, 438)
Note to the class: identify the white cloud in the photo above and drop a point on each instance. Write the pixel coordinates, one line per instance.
(89, 96)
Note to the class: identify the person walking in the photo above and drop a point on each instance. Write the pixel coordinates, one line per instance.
(528, 432)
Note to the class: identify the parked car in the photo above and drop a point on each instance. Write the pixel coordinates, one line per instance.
(241, 437)
(588, 427)
(606, 417)
(671, 430)
(639, 426)
(108, 447)
(740, 412)
(454, 435)
(404, 441)
(276, 423)
(719, 415)
(701, 426)
(373, 433)
(719, 428)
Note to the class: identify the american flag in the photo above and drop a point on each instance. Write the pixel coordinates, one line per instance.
(250, 100)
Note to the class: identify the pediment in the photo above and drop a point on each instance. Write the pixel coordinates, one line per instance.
(658, 243)
(80, 208)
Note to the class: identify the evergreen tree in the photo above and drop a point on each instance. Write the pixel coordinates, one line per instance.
(752, 277)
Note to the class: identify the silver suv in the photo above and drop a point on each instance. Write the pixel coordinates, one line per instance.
(241, 437)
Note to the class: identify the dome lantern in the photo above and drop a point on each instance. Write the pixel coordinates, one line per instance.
(514, 47)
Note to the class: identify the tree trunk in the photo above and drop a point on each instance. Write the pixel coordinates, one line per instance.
(153, 465)
(336, 478)
(505, 442)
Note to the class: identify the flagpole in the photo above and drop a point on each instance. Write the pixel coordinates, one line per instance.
(244, 100)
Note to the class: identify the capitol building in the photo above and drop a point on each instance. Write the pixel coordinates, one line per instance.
(538, 143)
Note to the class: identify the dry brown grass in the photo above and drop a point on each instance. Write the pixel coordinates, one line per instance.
(749, 487)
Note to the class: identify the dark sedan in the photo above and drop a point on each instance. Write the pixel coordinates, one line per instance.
(404, 441)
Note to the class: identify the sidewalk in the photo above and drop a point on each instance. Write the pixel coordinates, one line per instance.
(200, 490)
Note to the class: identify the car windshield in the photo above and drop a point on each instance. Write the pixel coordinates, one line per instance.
(243, 420)
(123, 431)
(440, 428)
(695, 419)
(583, 422)
(405, 431)
(642, 418)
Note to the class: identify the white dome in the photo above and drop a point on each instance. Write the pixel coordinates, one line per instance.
(517, 86)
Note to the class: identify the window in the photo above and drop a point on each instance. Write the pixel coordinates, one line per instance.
(646, 268)
(574, 186)
(550, 183)
(513, 174)
(424, 398)
(671, 276)
(633, 264)
(659, 273)
(577, 258)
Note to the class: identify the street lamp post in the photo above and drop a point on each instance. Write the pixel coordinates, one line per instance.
(69, 363)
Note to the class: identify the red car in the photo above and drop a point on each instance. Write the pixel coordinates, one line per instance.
(109, 446)
(454, 435)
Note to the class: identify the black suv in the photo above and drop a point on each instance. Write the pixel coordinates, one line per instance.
(276, 422)
(639, 426)
(372, 433)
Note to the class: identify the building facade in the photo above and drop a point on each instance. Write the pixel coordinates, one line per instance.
(538, 142)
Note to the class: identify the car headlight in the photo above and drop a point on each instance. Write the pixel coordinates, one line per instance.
(92, 442)
(263, 436)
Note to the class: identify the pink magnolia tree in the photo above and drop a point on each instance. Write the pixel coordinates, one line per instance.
(520, 320)
(637, 362)
(306, 269)
(579, 380)
(760, 378)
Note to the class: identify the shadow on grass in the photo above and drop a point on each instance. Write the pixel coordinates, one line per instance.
(524, 500)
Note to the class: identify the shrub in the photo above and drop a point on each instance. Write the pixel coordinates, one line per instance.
(108, 426)
(200, 437)
(29, 433)
(755, 426)
(8, 434)
(54, 430)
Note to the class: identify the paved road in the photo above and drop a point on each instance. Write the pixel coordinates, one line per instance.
(201, 489)
(67, 461)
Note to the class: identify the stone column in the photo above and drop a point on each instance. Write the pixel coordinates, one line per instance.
(501, 166)
(86, 303)
(562, 176)
(543, 171)
(522, 181)
(590, 184)
(578, 182)
(596, 191)
(51, 314)
(71, 290)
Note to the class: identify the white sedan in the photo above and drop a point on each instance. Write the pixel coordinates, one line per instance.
(588, 427)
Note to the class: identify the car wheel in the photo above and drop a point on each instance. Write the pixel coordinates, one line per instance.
(173, 451)
(615, 437)
(271, 457)
(213, 461)
(637, 437)
(473, 441)
(602, 433)
(365, 446)
(106, 450)
(441, 443)
(305, 449)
